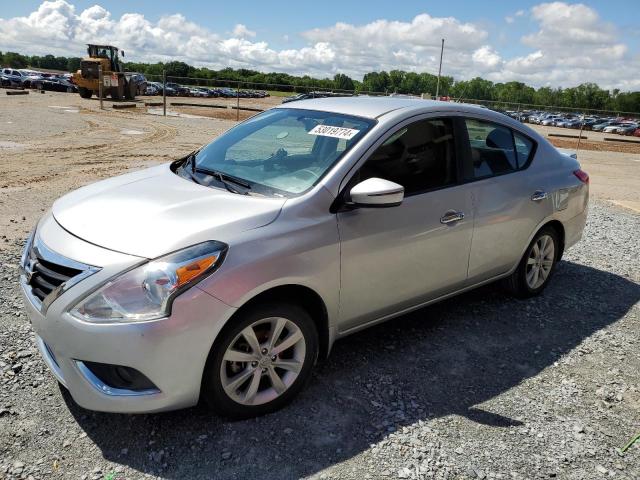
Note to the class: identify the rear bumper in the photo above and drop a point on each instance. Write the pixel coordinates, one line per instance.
(574, 227)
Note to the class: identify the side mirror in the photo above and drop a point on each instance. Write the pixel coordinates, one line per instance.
(122, 52)
(377, 193)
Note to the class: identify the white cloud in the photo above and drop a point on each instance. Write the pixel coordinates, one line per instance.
(512, 18)
(487, 57)
(571, 45)
(241, 31)
(574, 45)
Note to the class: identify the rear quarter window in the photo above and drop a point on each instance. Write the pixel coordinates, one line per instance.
(524, 149)
(496, 149)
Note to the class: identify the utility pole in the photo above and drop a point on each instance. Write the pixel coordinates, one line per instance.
(238, 102)
(100, 84)
(164, 93)
(439, 71)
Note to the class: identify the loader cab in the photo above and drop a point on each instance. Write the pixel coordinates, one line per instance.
(107, 52)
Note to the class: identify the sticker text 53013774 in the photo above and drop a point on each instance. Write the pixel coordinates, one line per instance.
(336, 132)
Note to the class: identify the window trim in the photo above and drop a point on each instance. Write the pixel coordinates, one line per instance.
(466, 157)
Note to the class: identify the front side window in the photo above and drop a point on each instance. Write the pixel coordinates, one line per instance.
(283, 151)
(492, 149)
(420, 157)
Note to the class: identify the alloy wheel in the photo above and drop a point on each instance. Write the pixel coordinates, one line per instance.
(263, 361)
(540, 261)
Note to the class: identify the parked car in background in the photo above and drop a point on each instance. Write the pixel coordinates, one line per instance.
(29, 76)
(627, 129)
(140, 81)
(614, 128)
(601, 126)
(233, 270)
(12, 77)
(178, 89)
(55, 85)
(311, 95)
(550, 121)
(588, 123)
(157, 88)
(151, 89)
(569, 123)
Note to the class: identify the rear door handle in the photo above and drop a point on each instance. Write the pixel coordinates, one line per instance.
(451, 216)
(538, 195)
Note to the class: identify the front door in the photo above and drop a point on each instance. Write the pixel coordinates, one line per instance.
(398, 257)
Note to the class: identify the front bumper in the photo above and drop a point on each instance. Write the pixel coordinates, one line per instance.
(170, 352)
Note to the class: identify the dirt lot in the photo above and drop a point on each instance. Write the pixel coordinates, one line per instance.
(482, 386)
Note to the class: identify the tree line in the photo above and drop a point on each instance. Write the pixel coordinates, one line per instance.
(586, 95)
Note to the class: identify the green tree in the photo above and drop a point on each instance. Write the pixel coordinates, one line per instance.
(15, 60)
(343, 82)
(178, 69)
(73, 64)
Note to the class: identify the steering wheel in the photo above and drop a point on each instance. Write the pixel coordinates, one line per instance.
(307, 173)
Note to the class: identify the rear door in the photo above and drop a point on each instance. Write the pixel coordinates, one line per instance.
(509, 200)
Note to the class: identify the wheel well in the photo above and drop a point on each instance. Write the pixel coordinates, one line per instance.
(305, 298)
(559, 228)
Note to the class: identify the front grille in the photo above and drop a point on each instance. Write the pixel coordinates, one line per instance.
(47, 276)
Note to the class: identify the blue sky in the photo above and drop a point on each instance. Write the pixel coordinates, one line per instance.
(559, 43)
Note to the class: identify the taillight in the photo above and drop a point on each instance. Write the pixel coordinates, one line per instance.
(582, 176)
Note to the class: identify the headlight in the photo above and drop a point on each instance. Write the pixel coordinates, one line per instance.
(147, 291)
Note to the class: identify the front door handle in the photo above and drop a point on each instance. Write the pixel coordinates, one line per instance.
(451, 216)
(538, 195)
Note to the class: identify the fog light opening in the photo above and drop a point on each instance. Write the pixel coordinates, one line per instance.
(120, 377)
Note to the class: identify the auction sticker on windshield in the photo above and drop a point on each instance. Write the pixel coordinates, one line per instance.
(336, 132)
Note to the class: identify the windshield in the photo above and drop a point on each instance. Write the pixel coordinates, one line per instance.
(283, 151)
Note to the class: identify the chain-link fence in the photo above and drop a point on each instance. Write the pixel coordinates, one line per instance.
(237, 100)
(227, 99)
(530, 107)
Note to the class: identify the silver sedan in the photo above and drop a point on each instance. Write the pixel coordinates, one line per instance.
(226, 275)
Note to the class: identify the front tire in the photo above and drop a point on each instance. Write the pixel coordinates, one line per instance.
(260, 361)
(85, 92)
(537, 265)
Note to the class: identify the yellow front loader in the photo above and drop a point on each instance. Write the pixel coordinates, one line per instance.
(116, 83)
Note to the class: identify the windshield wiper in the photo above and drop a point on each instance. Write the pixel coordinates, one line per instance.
(227, 180)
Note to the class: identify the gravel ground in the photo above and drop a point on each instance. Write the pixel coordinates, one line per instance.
(481, 386)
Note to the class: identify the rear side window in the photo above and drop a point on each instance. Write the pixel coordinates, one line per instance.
(492, 148)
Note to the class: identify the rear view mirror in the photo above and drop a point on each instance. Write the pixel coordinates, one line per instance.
(377, 193)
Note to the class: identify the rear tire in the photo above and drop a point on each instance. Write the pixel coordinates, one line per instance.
(536, 266)
(260, 361)
(117, 93)
(130, 91)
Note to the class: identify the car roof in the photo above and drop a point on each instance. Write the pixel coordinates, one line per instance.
(375, 107)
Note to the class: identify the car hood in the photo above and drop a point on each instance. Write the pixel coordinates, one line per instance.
(152, 212)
